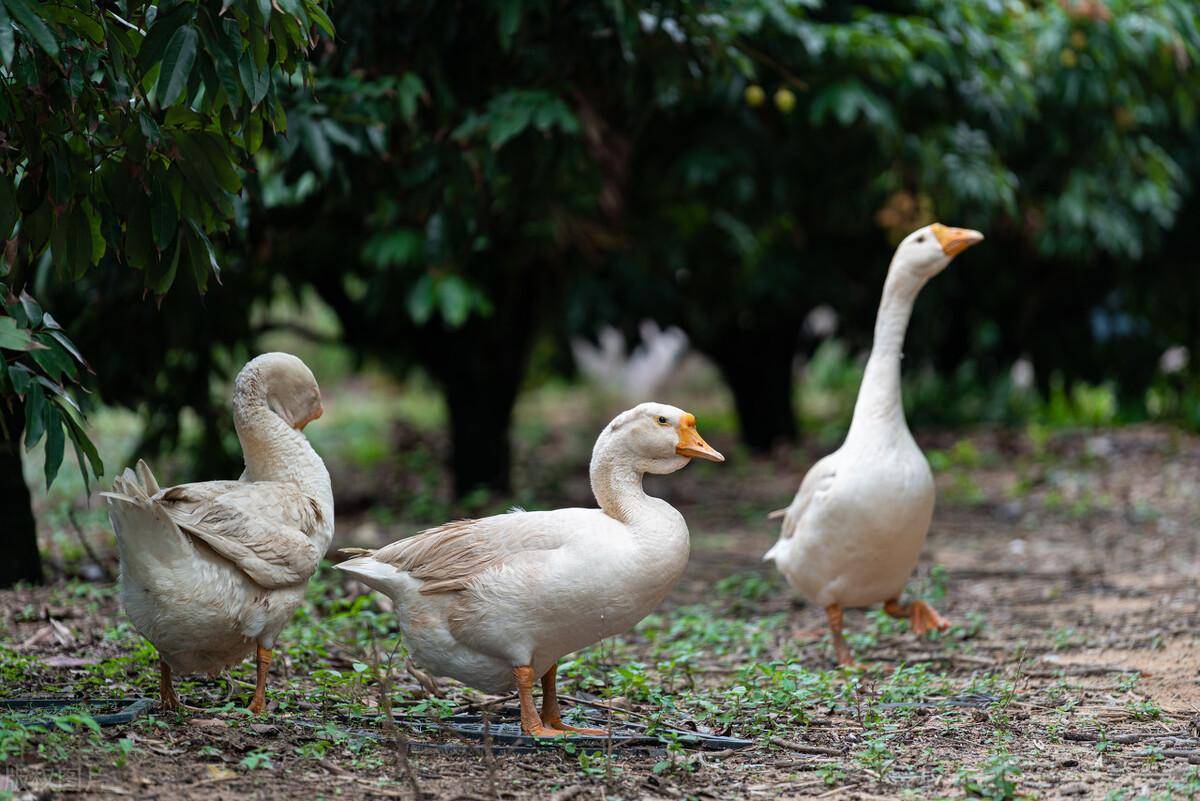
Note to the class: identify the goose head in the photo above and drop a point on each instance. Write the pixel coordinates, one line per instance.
(926, 251)
(654, 438)
(284, 384)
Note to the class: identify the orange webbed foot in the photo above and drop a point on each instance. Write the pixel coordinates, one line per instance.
(544, 732)
(923, 618)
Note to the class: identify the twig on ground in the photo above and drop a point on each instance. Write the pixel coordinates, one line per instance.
(801, 748)
(1123, 739)
(489, 756)
(567, 793)
(334, 769)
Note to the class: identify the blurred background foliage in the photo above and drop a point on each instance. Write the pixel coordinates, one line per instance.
(454, 195)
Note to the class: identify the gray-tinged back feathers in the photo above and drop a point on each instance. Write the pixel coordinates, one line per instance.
(263, 527)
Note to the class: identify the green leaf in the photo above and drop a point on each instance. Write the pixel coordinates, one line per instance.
(55, 442)
(454, 300)
(255, 79)
(53, 360)
(220, 161)
(162, 276)
(8, 44)
(208, 249)
(32, 309)
(80, 437)
(62, 339)
(28, 19)
(161, 32)
(177, 62)
(319, 17)
(98, 243)
(79, 459)
(252, 134)
(13, 337)
(9, 213)
(35, 416)
(21, 377)
(420, 300)
(164, 217)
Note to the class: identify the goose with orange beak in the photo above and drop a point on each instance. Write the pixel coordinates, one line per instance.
(496, 602)
(852, 535)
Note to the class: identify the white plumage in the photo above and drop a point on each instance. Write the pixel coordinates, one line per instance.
(496, 602)
(852, 534)
(212, 570)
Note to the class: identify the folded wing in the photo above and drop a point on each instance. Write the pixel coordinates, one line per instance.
(448, 557)
(263, 527)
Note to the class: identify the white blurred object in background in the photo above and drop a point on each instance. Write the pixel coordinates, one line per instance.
(1174, 360)
(821, 322)
(1021, 374)
(634, 376)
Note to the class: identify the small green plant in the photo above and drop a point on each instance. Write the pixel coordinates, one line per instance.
(997, 781)
(877, 758)
(1144, 709)
(122, 748)
(832, 774)
(258, 759)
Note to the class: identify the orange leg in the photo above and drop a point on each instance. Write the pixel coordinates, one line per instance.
(921, 616)
(551, 715)
(259, 704)
(531, 722)
(840, 647)
(167, 698)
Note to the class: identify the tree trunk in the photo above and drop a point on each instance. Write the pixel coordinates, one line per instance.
(21, 561)
(480, 416)
(760, 377)
(480, 367)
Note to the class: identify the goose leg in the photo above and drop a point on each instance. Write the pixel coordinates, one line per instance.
(531, 722)
(167, 698)
(260, 687)
(551, 715)
(840, 647)
(921, 616)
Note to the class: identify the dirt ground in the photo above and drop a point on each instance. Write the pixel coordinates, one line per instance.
(1067, 560)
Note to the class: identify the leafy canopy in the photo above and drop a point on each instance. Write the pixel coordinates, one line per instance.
(123, 125)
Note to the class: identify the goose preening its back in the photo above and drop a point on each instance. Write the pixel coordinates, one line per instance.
(852, 535)
(213, 570)
(496, 602)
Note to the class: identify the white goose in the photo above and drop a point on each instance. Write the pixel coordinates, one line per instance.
(496, 602)
(855, 529)
(212, 570)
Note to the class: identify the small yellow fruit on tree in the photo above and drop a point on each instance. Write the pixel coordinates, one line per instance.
(1068, 58)
(785, 101)
(755, 95)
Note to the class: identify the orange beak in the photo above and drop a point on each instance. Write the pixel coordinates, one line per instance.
(955, 240)
(692, 445)
(320, 411)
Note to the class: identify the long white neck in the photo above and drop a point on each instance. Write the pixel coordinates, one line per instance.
(273, 450)
(617, 485)
(879, 397)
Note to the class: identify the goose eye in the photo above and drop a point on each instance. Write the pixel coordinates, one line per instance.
(662, 421)
(921, 238)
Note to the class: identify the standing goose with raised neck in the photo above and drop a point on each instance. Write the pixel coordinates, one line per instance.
(852, 535)
(496, 602)
(211, 571)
